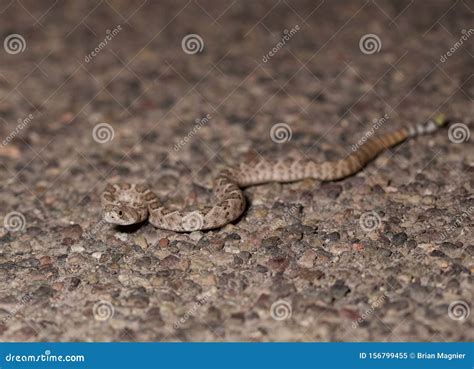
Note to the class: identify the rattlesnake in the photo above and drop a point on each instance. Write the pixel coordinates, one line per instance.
(125, 203)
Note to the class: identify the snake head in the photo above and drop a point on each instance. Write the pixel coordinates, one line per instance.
(123, 205)
(121, 214)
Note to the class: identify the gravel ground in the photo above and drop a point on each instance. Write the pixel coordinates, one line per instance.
(97, 92)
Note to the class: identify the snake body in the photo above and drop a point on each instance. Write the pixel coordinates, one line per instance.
(126, 203)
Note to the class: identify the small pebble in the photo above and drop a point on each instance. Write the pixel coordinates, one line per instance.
(142, 242)
(339, 289)
(164, 242)
(332, 237)
(399, 238)
(196, 236)
(307, 259)
(437, 253)
(77, 248)
(331, 190)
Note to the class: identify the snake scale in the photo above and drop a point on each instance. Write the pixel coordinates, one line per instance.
(125, 203)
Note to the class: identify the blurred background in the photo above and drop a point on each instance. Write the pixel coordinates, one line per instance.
(170, 92)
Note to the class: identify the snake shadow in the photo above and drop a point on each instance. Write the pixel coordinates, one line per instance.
(132, 228)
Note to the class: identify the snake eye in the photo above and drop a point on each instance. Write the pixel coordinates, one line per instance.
(120, 213)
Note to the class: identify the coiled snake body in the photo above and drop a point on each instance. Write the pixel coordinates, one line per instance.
(126, 204)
